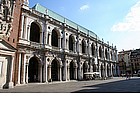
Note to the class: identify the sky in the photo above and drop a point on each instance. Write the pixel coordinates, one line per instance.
(115, 21)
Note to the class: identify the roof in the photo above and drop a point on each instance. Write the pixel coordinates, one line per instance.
(62, 19)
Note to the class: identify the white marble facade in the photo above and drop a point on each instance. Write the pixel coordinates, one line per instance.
(49, 50)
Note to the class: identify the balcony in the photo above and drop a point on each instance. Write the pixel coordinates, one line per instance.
(36, 45)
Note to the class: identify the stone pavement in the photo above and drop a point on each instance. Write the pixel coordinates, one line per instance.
(115, 85)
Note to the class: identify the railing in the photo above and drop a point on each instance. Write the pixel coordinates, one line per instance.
(36, 45)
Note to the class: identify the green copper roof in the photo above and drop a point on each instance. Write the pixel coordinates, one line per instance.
(60, 18)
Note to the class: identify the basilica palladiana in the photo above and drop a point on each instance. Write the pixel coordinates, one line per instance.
(52, 48)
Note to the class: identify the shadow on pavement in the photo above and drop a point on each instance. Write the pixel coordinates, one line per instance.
(123, 86)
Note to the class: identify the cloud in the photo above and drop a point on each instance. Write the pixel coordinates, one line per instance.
(131, 21)
(84, 7)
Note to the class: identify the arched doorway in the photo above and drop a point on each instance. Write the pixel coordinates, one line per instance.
(55, 70)
(102, 72)
(85, 69)
(35, 33)
(113, 71)
(107, 71)
(72, 70)
(33, 70)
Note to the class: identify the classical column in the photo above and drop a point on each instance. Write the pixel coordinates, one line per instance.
(89, 49)
(60, 73)
(68, 73)
(50, 39)
(49, 73)
(19, 68)
(59, 42)
(11, 73)
(28, 33)
(22, 27)
(27, 65)
(24, 68)
(45, 71)
(75, 47)
(80, 72)
(75, 76)
(65, 71)
(40, 74)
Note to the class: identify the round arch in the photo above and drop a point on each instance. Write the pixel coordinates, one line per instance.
(72, 70)
(55, 37)
(83, 46)
(107, 70)
(102, 71)
(93, 49)
(106, 54)
(71, 42)
(34, 70)
(100, 51)
(35, 30)
(55, 65)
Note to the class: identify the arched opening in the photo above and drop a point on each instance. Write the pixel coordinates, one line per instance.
(106, 53)
(100, 51)
(102, 71)
(107, 71)
(54, 40)
(33, 70)
(85, 69)
(55, 70)
(94, 68)
(93, 49)
(35, 33)
(72, 70)
(71, 43)
(113, 71)
(83, 46)
(111, 55)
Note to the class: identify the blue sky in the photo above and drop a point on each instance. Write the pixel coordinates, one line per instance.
(115, 21)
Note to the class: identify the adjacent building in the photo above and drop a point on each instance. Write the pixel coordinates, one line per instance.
(10, 11)
(49, 47)
(124, 61)
(135, 60)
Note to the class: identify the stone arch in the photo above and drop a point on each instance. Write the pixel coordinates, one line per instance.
(83, 46)
(54, 38)
(106, 53)
(72, 70)
(100, 51)
(93, 49)
(94, 67)
(85, 68)
(107, 70)
(102, 71)
(71, 42)
(35, 30)
(111, 55)
(55, 65)
(34, 69)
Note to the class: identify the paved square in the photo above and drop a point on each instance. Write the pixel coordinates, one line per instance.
(115, 85)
